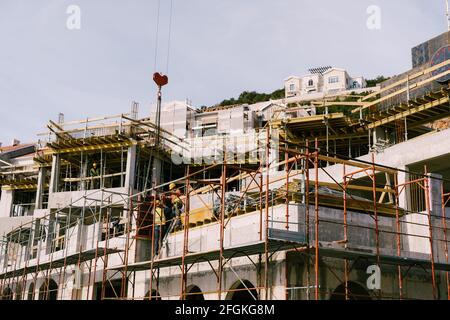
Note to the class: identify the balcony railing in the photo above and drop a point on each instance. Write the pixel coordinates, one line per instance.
(22, 209)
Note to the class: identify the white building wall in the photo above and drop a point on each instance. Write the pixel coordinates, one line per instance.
(357, 83)
(292, 86)
(315, 86)
(6, 203)
(335, 80)
(174, 116)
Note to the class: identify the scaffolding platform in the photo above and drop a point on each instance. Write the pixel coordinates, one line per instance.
(283, 240)
(341, 253)
(246, 250)
(59, 263)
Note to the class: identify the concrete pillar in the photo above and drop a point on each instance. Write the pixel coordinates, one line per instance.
(413, 225)
(84, 185)
(401, 179)
(274, 155)
(6, 203)
(435, 185)
(157, 177)
(378, 134)
(54, 178)
(40, 187)
(130, 168)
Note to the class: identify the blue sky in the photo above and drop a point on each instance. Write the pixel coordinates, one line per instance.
(218, 49)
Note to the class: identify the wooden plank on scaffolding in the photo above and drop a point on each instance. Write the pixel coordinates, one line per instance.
(409, 112)
(317, 118)
(94, 147)
(353, 187)
(406, 79)
(411, 87)
(356, 164)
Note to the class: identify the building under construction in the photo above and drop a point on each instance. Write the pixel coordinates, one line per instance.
(342, 196)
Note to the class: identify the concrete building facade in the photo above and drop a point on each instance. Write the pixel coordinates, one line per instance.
(286, 199)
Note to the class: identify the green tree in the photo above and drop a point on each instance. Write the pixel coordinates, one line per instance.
(251, 97)
(377, 80)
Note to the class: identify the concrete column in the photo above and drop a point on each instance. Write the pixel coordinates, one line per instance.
(54, 178)
(402, 178)
(40, 187)
(274, 155)
(130, 168)
(6, 203)
(435, 185)
(413, 225)
(84, 185)
(156, 172)
(378, 134)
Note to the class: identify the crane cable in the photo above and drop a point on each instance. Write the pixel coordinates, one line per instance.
(157, 35)
(169, 37)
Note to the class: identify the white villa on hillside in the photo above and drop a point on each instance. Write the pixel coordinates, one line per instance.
(323, 79)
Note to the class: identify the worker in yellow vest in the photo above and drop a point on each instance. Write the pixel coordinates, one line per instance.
(177, 204)
(160, 221)
(94, 174)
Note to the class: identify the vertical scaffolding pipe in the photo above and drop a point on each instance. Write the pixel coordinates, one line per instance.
(286, 168)
(266, 222)
(307, 233)
(49, 270)
(408, 97)
(185, 238)
(5, 279)
(327, 131)
(38, 259)
(3, 263)
(22, 260)
(375, 211)
(398, 236)
(344, 180)
(261, 182)
(10, 282)
(260, 217)
(153, 243)
(223, 183)
(101, 218)
(316, 207)
(89, 276)
(127, 248)
(27, 257)
(62, 275)
(430, 226)
(105, 249)
(444, 224)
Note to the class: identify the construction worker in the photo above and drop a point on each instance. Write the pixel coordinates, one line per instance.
(160, 221)
(177, 204)
(94, 174)
(167, 208)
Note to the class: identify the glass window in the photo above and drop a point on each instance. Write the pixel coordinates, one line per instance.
(291, 87)
(333, 79)
(310, 83)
